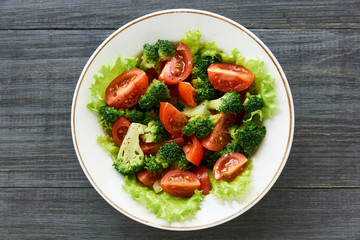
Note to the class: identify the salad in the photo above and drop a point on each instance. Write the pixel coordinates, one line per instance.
(181, 121)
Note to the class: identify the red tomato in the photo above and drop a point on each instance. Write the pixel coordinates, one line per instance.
(202, 173)
(179, 67)
(226, 77)
(219, 137)
(180, 183)
(172, 119)
(177, 139)
(187, 93)
(229, 166)
(193, 151)
(126, 89)
(151, 73)
(147, 178)
(119, 130)
(150, 148)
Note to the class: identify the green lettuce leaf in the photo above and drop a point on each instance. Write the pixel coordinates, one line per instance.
(108, 144)
(229, 190)
(192, 40)
(106, 74)
(162, 204)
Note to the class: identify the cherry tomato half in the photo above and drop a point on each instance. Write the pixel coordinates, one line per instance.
(219, 137)
(150, 148)
(148, 178)
(179, 140)
(119, 130)
(180, 183)
(226, 77)
(202, 173)
(229, 166)
(172, 119)
(126, 89)
(179, 67)
(193, 151)
(187, 93)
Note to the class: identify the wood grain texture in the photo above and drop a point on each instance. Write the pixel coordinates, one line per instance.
(81, 213)
(323, 73)
(82, 14)
(45, 195)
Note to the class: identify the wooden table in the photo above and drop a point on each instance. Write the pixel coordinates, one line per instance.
(45, 195)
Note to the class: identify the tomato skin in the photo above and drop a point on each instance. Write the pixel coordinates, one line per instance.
(179, 140)
(179, 67)
(226, 77)
(147, 178)
(229, 166)
(180, 183)
(219, 137)
(193, 151)
(126, 89)
(150, 148)
(172, 119)
(151, 73)
(187, 93)
(119, 130)
(202, 173)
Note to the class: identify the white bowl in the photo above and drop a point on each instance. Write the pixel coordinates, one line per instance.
(127, 41)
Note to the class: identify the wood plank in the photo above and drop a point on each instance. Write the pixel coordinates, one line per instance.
(82, 14)
(83, 214)
(39, 70)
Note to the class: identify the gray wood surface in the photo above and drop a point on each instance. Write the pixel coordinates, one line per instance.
(45, 195)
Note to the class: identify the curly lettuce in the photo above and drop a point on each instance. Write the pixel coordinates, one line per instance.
(162, 204)
(229, 190)
(108, 144)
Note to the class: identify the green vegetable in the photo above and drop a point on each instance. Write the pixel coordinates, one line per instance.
(130, 158)
(134, 115)
(154, 132)
(229, 103)
(167, 154)
(192, 40)
(200, 111)
(230, 190)
(106, 74)
(162, 204)
(253, 103)
(157, 92)
(108, 116)
(161, 51)
(249, 135)
(200, 127)
(108, 144)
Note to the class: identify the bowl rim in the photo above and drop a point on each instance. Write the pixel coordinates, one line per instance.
(284, 81)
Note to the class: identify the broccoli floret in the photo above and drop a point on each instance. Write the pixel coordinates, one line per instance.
(130, 158)
(253, 103)
(183, 164)
(204, 89)
(135, 115)
(200, 111)
(149, 56)
(200, 127)
(166, 49)
(157, 92)
(167, 154)
(108, 116)
(155, 132)
(150, 116)
(249, 135)
(229, 103)
(209, 159)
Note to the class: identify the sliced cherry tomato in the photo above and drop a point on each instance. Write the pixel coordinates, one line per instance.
(187, 93)
(172, 119)
(177, 139)
(229, 166)
(150, 148)
(219, 137)
(151, 73)
(226, 77)
(180, 183)
(148, 178)
(126, 89)
(202, 173)
(119, 130)
(179, 67)
(193, 151)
